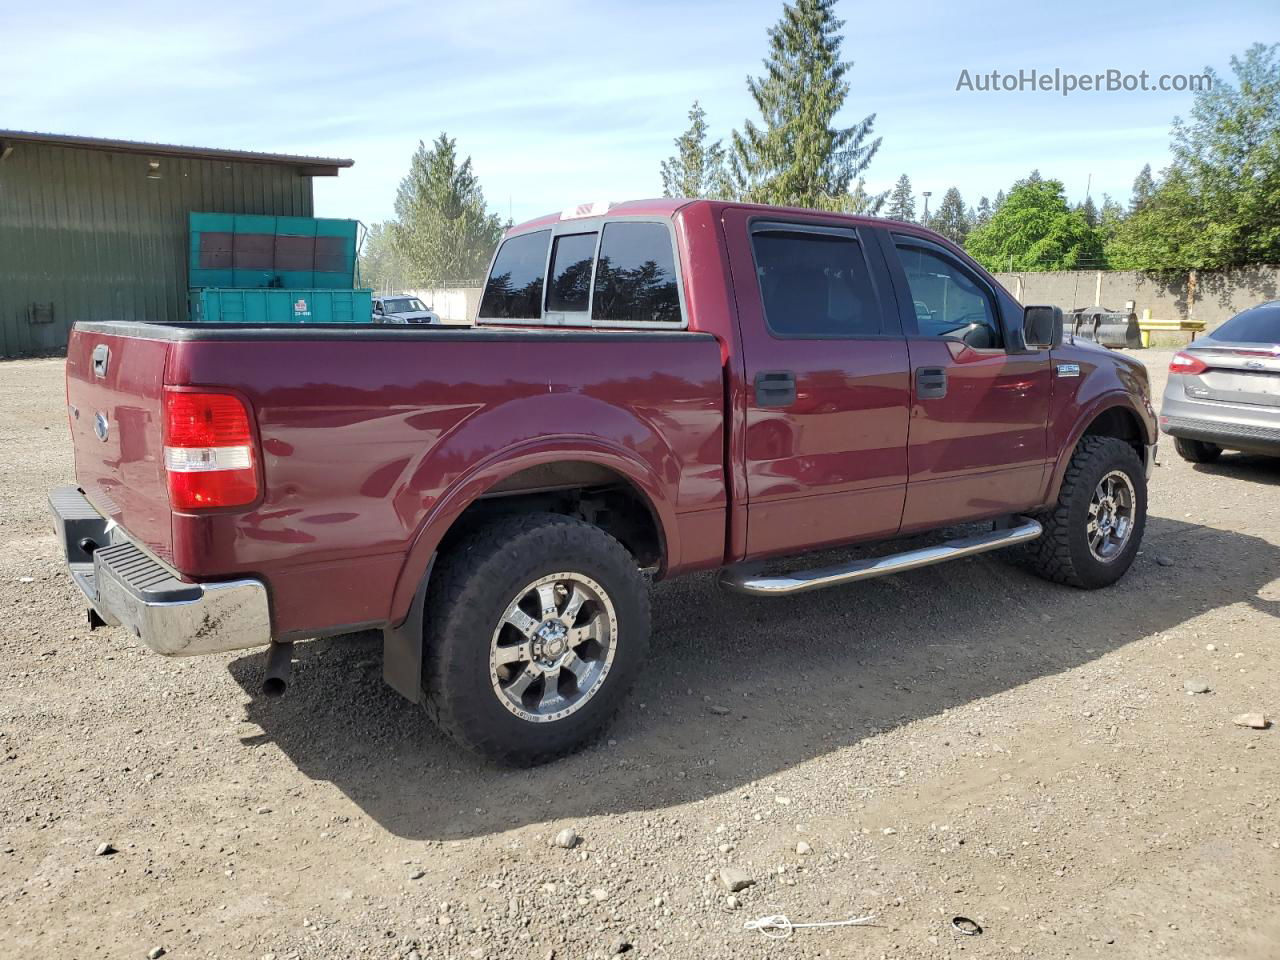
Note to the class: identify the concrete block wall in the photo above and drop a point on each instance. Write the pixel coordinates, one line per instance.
(1207, 295)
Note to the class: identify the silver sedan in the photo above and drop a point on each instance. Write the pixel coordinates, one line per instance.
(1224, 389)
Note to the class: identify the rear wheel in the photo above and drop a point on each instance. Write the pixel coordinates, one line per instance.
(1196, 451)
(1092, 535)
(537, 625)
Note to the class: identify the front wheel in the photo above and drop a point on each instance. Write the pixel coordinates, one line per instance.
(1093, 532)
(1196, 451)
(536, 627)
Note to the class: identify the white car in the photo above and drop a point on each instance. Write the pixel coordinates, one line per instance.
(402, 308)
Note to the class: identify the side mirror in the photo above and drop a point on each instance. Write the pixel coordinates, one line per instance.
(1042, 327)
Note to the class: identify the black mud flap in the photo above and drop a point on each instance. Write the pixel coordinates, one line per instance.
(402, 646)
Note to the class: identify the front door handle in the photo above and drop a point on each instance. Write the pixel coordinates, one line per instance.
(931, 383)
(775, 388)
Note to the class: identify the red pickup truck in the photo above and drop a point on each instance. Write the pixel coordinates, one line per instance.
(652, 388)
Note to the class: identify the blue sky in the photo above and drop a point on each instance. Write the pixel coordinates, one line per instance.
(561, 101)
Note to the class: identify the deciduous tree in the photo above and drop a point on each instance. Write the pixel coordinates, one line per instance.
(1218, 203)
(1035, 229)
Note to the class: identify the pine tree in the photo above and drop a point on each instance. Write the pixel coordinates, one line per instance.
(697, 167)
(443, 231)
(381, 267)
(1090, 211)
(950, 220)
(902, 202)
(797, 157)
(983, 213)
(1144, 185)
(1000, 198)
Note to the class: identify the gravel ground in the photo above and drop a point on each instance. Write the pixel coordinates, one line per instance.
(964, 740)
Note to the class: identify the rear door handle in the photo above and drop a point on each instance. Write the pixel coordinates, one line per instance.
(931, 383)
(775, 388)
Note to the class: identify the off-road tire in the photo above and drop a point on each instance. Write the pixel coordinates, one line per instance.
(1196, 451)
(1061, 553)
(471, 587)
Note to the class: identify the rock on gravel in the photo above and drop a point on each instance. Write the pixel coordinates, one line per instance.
(803, 849)
(566, 839)
(155, 953)
(1255, 721)
(104, 850)
(734, 879)
(1196, 686)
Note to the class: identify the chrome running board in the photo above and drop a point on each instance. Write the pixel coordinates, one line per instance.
(748, 580)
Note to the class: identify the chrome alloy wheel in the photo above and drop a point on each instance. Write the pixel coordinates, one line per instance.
(553, 647)
(1111, 516)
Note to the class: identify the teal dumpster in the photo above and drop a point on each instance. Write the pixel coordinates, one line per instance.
(280, 306)
(251, 250)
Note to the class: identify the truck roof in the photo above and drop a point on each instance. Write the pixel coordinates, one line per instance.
(667, 206)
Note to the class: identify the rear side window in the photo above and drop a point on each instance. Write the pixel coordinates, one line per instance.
(636, 275)
(815, 285)
(571, 258)
(514, 290)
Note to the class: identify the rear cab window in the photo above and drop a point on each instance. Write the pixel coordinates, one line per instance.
(619, 273)
(514, 288)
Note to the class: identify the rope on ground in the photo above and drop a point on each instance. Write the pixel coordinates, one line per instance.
(779, 927)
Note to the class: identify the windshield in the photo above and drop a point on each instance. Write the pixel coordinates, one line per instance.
(1259, 325)
(404, 305)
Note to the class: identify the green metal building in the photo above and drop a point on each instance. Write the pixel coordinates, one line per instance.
(94, 229)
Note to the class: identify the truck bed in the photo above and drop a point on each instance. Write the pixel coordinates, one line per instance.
(365, 433)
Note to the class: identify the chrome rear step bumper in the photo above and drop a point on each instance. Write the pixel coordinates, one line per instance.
(747, 579)
(126, 586)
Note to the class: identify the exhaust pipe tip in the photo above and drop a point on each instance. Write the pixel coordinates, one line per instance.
(274, 687)
(279, 667)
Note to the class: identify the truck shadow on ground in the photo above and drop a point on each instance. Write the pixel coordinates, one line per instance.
(801, 676)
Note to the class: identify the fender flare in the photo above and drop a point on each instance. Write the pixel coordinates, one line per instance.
(1095, 409)
(402, 640)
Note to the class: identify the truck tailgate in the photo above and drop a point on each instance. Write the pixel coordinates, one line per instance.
(115, 387)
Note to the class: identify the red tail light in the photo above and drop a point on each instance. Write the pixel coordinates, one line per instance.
(1186, 363)
(208, 451)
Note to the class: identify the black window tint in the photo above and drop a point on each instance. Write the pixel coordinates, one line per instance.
(1259, 325)
(571, 258)
(815, 285)
(948, 301)
(636, 275)
(514, 290)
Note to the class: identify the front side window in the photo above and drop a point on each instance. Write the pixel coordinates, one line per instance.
(514, 289)
(947, 300)
(636, 275)
(815, 285)
(571, 257)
